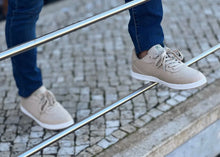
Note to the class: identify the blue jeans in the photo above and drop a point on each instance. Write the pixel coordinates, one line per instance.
(20, 27)
(144, 28)
(145, 25)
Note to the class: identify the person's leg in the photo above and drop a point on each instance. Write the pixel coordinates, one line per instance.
(20, 27)
(145, 25)
(151, 61)
(36, 101)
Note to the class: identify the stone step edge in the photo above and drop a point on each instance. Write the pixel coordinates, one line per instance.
(164, 134)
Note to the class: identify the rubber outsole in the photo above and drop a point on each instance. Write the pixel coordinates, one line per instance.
(47, 126)
(170, 85)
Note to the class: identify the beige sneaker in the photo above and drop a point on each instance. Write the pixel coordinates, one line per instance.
(165, 66)
(45, 110)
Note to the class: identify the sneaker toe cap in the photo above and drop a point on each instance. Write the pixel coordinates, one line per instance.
(196, 76)
(188, 76)
(57, 116)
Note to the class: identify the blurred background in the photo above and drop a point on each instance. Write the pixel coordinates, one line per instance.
(3, 7)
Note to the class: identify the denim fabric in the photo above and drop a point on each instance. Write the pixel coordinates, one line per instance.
(20, 27)
(145, 25)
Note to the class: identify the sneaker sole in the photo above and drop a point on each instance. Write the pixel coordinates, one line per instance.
(171, 85)
(44, 125)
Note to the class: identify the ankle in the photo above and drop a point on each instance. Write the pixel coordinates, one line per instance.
(142, 54)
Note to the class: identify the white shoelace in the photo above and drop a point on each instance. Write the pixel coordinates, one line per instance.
(169, 59)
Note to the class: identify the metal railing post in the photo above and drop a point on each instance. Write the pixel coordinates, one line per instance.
(107, 109)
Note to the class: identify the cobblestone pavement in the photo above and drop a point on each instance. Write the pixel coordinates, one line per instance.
(89, 69)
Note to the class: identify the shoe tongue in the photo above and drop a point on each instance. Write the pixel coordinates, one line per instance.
(156, 50)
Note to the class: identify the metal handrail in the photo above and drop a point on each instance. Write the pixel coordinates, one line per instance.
(100, 113)
(63, 31)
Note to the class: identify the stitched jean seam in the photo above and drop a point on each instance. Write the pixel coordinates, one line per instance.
(10, 35)
(136, 29)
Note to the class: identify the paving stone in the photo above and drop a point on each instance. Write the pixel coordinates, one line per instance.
(97, 104)
(94, 140)
(138, 123)
(82, 139)
(152, 102)
(104, 143)
(126, 114)
(79, 148)
(36, 134)
(180, 98)
(108, 131)
(5, 154)
(84, 154)
(36, 128)
(163, 107)
(25, 120)
(2, 119)
(110, 124)
(139, 111)
(139, 101)
(82, 131)
(82, 105)
(172, 102)
(146, 118)
(185, 93)
(50, 155)
(47, 135)
(113, 115)
(119, 134)
(173, 93)
(50, 150)
(12, 120)
(98, 132)
(111, 98)
(32, 142)
(2, 127)
(98, 124)
(25, 129)
(162, 99)
(210, 80)
(155, 113)
(215, 75)
(66, 142)
(66, 151)
(4, 147)
(126, 121)
(8, 136)
(163, 93)
(81, 114)
(126, 106)
(11, 113)
(19, 147)
(128, 128)
(9, 105)
(112, 139)
(95, 149)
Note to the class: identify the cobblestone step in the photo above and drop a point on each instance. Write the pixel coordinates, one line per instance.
(163, 135)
